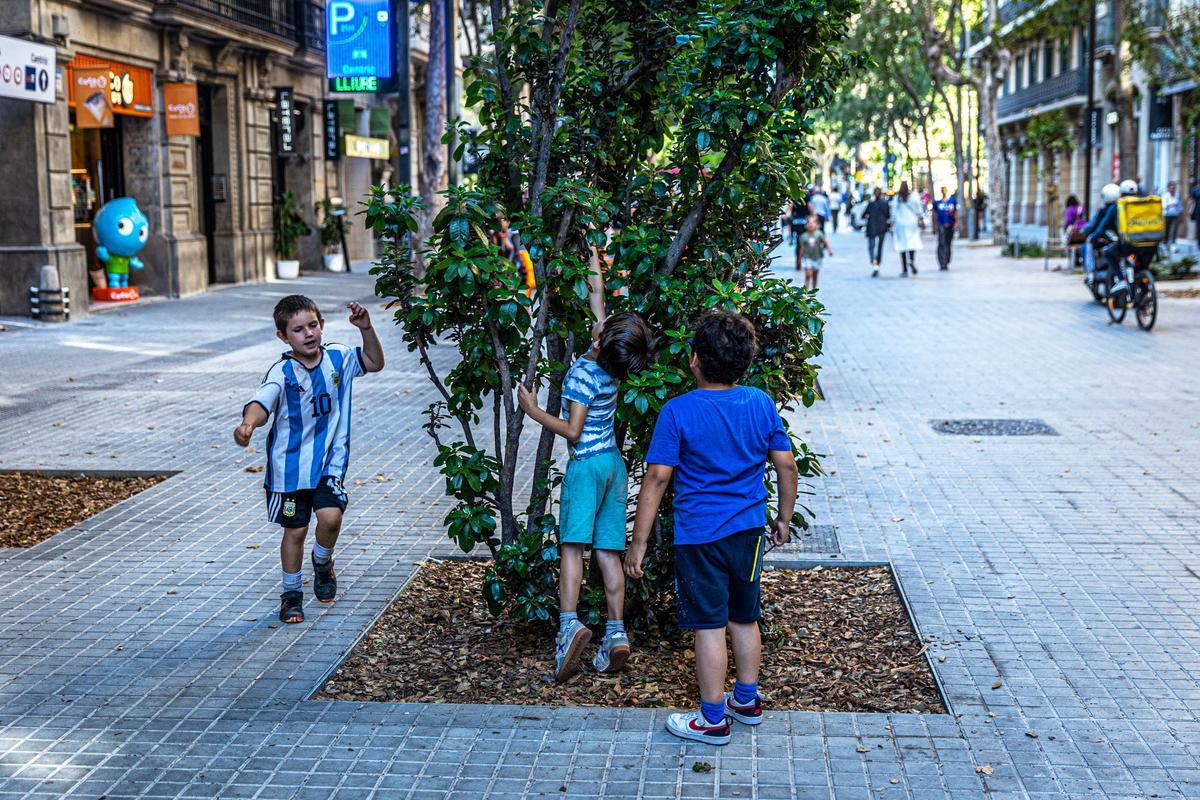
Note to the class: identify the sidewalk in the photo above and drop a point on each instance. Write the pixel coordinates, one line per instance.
(138, 656)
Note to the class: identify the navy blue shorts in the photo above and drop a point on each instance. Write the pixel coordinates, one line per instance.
(295, 509)
(718, 582)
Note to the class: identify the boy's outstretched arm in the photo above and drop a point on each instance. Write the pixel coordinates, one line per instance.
(788, 477)
(595, 284)
(372, 348)
(253, 416)
(570, 429)
(654, 485)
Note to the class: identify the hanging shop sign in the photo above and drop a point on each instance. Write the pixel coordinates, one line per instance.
(360, 46)
(130, 89)
(366, 147)
(26, 70)
(333, 130)
(182, 109)
(1162, 116)
(1095, 126)
(1116, 167)
(286, 106)
(91, 86)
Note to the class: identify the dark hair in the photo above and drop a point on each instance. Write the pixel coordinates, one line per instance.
(878, 193)
(904, 190)
(725, 345)
(1072, 200)
(291, 305)
(626, 345)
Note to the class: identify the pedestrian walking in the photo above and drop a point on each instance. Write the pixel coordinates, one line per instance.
(799, 217)
(878, 219)
(981, 222)
(946, 218)
(908, 221)
(1195, 212)
(818, 204)
(1172, 205)
(308, 392)
(810, 249)
(835, 206)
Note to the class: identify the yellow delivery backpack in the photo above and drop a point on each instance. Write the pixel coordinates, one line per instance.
(1140, 220)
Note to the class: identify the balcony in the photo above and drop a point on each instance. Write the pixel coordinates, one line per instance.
(276, 17)
(310, 25)
(1072, 83)
(1015, 8)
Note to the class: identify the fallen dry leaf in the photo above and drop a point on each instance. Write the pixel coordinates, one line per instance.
(36, 507)
(1031, 734)
(984, 769)
(997, 684)
(257, 468)
(860, 748)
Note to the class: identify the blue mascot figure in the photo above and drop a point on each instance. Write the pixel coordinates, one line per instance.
(121, 231)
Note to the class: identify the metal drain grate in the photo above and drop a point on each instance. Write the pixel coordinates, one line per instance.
(821, 539)
(993, 427)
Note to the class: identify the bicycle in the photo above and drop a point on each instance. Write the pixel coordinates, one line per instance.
(1132, 284)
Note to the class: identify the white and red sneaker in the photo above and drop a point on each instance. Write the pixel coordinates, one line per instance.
(748, 714)
(692, 725)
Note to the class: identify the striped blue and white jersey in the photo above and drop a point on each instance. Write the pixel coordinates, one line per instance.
(587, 383)
(310, 433)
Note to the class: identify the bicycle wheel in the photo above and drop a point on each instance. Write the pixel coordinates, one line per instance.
(1115, 301)
(1146, 304)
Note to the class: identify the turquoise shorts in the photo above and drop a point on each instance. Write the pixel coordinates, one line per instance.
(594, 494)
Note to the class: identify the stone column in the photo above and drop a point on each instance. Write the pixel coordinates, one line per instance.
(1041, 165)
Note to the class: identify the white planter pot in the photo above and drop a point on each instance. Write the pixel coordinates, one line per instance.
(287, 270)
(335, 262)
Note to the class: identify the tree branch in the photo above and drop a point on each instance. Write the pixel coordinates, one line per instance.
(441, 387)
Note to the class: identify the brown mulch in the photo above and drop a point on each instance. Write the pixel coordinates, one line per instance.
(35, 507)
(834, 639)
(1191, 291)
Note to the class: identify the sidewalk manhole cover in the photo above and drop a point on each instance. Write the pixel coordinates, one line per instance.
(822, 539)
(993, 427)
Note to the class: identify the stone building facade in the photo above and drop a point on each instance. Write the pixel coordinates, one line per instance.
(209, 198)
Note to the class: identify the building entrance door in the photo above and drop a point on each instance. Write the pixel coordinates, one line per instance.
(208, 209)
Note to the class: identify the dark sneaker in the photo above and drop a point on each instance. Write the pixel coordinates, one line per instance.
(291, 606)
(692, 725)
(324, 581)
(748, 713)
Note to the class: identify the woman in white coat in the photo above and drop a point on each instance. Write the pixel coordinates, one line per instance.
(908, 219)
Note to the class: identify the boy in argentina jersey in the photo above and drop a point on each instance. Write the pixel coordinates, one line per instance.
(308, 392)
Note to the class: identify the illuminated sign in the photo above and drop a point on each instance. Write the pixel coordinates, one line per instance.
(360, 45)
(366, 147)
(286, 144)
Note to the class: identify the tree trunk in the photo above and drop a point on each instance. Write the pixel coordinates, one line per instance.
(433, 152)
(987, 87)
(956, 131)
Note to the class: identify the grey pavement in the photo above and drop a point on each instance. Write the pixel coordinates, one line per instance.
(140, 657)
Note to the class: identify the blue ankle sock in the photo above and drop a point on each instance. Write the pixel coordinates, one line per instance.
(714, 713)
(291, 581)
(322, 555)
(614, 626)
(744, 693)
(565, 618)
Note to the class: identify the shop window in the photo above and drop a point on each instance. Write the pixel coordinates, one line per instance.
(97, 174)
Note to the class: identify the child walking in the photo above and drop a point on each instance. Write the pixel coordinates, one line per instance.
(308, 392)
(810, 249)
(595, 486)
(715, 441)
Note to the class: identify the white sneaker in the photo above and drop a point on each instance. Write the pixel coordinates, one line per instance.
(568, 646)
(749, 714)
(692, 725)
(613, 653)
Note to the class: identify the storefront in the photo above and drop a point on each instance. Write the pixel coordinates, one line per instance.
(110, 103)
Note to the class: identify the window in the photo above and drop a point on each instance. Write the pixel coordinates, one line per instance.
(1033, 65)
(1020, 69)
(1047, 60)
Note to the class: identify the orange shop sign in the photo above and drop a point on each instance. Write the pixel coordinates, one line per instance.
(91, 86)
(182, 109)
(130, 89)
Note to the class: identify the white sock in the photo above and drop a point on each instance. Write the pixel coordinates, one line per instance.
(321, 555)
(291, 580)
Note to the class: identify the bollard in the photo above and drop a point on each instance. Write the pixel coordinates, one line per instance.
(49, 300)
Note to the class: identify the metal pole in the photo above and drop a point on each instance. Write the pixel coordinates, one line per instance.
(403, 113)
(1089, 115)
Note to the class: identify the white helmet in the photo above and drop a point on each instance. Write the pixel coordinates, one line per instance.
(1110, 193)
(1128, 187)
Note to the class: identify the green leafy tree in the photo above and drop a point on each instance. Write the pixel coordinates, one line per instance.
(682, 126)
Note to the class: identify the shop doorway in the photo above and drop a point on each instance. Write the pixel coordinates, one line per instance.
(208, 209)
(97, 176)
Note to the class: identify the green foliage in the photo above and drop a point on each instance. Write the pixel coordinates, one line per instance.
(1166, 40)
(682, 127)
(330, 235)
(289, 227)
(1049, 132)
(1173, 269)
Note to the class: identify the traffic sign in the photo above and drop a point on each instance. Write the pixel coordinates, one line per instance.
(26, 70)
(360, 46)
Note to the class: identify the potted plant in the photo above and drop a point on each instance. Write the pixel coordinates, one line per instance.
(289, 227)
(331, 235)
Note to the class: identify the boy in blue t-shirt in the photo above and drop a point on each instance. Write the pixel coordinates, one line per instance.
(716, 441)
